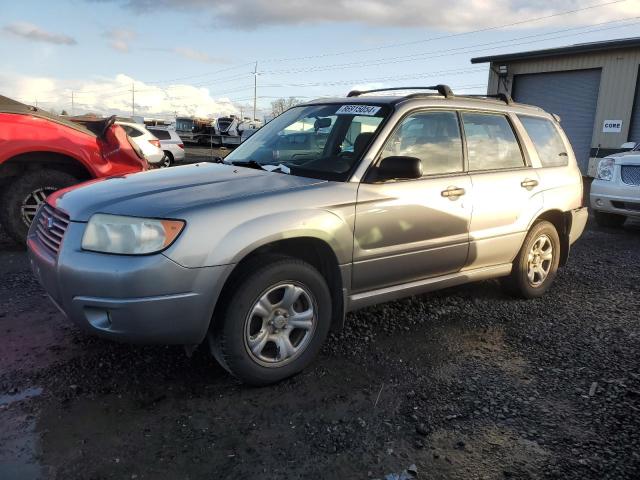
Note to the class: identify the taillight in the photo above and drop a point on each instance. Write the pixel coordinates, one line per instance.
(155, 143)
(181, 145)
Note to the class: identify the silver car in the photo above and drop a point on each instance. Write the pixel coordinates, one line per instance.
(374, 198)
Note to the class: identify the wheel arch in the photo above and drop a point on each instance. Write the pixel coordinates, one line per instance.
(312, 250)
(23, 162)
(562, 223)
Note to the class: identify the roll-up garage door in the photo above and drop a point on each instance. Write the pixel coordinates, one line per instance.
(634, 126)
(573, 95)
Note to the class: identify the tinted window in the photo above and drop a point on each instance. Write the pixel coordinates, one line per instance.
(132, 132)
(547, 140)
(491, 142)
(433, 137)
(160, 134)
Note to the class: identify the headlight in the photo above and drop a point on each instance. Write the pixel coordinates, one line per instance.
(605, 169)
(129, 235)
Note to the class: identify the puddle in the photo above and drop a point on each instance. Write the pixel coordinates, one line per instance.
(25, 394)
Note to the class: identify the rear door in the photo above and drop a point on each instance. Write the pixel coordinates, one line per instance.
(506, 189)
(414, 229)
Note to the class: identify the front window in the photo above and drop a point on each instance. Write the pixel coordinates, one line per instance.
(184, 125)
(319, 141)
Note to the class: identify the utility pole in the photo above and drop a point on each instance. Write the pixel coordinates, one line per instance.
(72, 104)
(255, 89)
(133, 99)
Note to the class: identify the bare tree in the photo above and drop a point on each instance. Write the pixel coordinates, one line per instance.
(281, 104)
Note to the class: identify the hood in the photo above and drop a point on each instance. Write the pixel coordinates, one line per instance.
(165, 193)
(626, 158)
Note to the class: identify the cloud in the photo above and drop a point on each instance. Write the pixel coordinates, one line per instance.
(198, 55)
(34, 33)
(113, 96)
(455, 15)
(119, 39)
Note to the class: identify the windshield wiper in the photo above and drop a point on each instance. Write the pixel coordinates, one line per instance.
(259, 166)
(248, 164)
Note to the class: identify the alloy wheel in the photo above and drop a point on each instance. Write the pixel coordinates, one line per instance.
(280, 324)
(539, 260)
(32, 201)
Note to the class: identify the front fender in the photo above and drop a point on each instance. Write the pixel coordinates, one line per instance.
(210, 243)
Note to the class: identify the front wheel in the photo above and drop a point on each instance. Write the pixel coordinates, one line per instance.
(273, 320)
(536, 265)
(25, 194)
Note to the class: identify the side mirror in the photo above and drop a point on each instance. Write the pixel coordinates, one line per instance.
(399, 168)
(628, 145)
(321, 123)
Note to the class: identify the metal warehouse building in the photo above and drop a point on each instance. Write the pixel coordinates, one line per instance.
(593, 87)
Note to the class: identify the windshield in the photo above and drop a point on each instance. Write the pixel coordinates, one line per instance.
(184, 124)
(319, 141)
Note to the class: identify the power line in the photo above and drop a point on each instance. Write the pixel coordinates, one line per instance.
(457, 50)
(441, 37)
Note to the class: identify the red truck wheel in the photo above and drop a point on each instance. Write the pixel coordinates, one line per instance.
(23, 196)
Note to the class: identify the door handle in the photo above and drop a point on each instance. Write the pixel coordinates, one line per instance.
(453, 192)
(529, 183)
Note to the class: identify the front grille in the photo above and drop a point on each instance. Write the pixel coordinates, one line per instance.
(631, 174)
(51, 224)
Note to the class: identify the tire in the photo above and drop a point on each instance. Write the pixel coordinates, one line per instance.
(609, 220)
(167, 160)
(520, 283)
(256, 312)
(30, 189)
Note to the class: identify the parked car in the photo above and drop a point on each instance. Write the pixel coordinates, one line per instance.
(145, 140)
(170, 143)
(41, 153)
(261, 257)
(615, 192)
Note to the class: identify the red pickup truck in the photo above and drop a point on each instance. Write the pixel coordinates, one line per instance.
(41, 153)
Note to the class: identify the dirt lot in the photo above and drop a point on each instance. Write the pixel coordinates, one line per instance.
(465, 384)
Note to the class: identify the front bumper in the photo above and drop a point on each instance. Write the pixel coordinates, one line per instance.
(615, 197)
(141, 299)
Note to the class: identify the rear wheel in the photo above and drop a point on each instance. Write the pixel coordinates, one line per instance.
(609, 220)
(536, 265)
(24, 194)
(167, 160)
(273, 320)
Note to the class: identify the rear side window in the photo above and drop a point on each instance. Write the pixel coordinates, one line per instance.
(132, 132)
(433, 137)
(160, 134)
(491, 143)
(545, 137)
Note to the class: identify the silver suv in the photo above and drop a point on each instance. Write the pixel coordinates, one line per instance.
(332, 206)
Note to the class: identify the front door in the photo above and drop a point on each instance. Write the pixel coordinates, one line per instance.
(409, 230)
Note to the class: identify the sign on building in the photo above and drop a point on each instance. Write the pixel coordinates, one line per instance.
(612, 126)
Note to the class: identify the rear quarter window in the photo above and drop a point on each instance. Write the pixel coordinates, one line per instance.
(160, 134)
(547, 141)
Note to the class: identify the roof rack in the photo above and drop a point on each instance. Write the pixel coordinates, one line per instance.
(443, 90)
(505, 97)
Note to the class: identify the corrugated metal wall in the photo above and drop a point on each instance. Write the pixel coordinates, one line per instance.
(617, 85)
(572, 95)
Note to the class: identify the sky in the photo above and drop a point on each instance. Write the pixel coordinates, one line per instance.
(198, 57)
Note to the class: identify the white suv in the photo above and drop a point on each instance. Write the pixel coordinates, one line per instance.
(145, 140)
(615, 192)
(171, 144)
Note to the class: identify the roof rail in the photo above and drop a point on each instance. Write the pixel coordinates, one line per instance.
(443, 90)
(505, 97)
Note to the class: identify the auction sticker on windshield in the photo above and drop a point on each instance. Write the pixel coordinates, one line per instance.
(358, 110)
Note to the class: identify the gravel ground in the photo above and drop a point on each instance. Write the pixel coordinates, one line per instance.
(466, 383)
